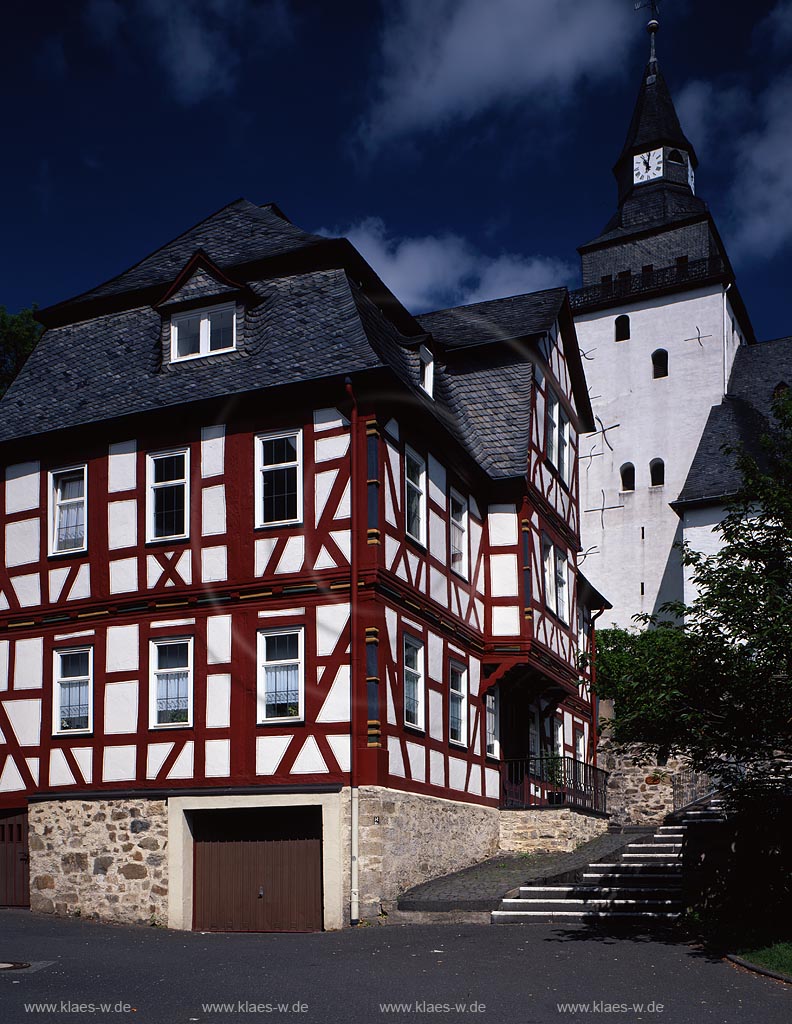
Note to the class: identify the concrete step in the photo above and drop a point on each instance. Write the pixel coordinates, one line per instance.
(529, 892)
(620, 877)
(551, 905)
(539, 916)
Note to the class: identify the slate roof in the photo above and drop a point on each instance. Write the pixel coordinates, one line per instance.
(654, 121)
(655, 207)
(495, 320)
(741, 418)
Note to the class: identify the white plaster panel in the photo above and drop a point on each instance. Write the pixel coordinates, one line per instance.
(118, 764)
(218, 639)
(269, 753)
(344, 509)
(503, 576)
(438, 587)
(391, 624)
(502, 520)
(212, 450)
(3, 664)
(343, 538)
(3, 601)
(22, 486)
(28, 663)
(218, 700)
(340, 746)
(27, 589)
(122, 466)
(281, 613)
(328, 419)
(122, 649)
(474, 675)
(437, 774)
(416, 755)
(293, 555)
(33, 768)
(60, 774)
(214, 566)
(123, 575)
(23, 542)
(457, 773)
(24, 716)
(474, 785)
(491, 783)
(263, 552)
(183, 765)
(324, 560)
(84, 758)
(435, 659)
(437, 537)
(121, 524)
(121, 707)
(336, 707)
(326, 448)
(80, 590)
(217, 758)
(323, 484)
(10, 779)
(309, 761)
(184, 566)
(331, 620)
(57, 578)
(435, 714)
(213, 511)
(153, 570)
(505, 621)
(395, 759)
(437, 481)
(155, 758)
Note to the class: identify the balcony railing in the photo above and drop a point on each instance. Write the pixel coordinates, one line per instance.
(553, 781)
(638, 284)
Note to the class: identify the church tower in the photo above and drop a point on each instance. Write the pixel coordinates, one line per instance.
(659, 319)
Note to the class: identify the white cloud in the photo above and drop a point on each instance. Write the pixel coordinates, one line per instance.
(777, 26)
(712, 115)
(198, 44)
(435, 271)
(449, 60)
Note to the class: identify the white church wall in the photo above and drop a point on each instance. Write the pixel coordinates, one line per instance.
(698, 527)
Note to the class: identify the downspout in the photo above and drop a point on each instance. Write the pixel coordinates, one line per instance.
(595, 716)
(354, 664)
(725, 370)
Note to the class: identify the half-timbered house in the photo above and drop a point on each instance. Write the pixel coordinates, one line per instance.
(288, 591)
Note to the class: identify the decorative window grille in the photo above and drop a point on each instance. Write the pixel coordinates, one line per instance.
(172, 682)
(73, 690)
(281, 675)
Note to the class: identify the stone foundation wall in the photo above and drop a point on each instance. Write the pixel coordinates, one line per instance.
(417, 838)
(103, 859)
(639, 791)
(557, 829)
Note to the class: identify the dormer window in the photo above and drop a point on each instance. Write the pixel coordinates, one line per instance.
(427, 369)
(203, 332)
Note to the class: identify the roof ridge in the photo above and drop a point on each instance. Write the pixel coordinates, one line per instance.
(486, 302)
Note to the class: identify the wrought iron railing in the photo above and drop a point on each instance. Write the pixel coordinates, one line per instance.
(689, 786)
(553, 781)
(637, 284)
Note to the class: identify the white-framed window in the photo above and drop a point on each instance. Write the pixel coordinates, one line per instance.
(427, 370)
(415, 495)
(558, 437)
(555, 579)
(171, 685)
(72, 708)
(492, 709)
(168, 495)
(458, 533)
(413, 682)
(279, 478)
(68, 510)
(203, 332)
(281, 675)
(457, 703)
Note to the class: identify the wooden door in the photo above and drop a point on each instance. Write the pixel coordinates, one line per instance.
(258, 870)
(14, 890)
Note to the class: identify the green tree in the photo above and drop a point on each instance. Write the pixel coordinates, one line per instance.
(715, 683)
(19, 333)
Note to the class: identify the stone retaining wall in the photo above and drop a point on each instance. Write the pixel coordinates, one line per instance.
(639, 791)
(556, 829)
(103, 859)
(417, 838)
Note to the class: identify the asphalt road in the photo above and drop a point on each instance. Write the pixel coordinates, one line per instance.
(502, 975)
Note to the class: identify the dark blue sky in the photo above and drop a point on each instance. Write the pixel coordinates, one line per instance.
(465, 145)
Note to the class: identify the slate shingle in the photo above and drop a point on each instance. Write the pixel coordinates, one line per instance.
(518, 316)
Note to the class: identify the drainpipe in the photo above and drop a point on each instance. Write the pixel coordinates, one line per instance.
(354, 662)
(725, 368)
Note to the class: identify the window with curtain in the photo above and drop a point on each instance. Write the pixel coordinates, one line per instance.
(281, 675)
(69, 510)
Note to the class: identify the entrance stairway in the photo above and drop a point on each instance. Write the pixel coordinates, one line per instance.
(643, 884)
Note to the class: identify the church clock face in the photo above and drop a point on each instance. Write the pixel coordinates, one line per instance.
(691, 177)
(647, 166)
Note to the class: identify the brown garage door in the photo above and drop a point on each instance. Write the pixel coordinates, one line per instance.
(14, 890)
(258, 870)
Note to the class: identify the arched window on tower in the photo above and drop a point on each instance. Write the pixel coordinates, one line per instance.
(627, 477)
(675, 157)
(659, 363)
(657, 472)
(780, 390)
(622, 328)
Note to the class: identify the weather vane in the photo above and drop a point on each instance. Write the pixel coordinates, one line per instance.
(654, 24)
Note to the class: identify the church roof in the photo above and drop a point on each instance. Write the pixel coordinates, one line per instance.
(655, 121)
(496, 319)
(740, 419)
(654, 208)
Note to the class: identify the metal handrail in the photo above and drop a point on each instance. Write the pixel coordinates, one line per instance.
(551, 780)
(689, 786)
